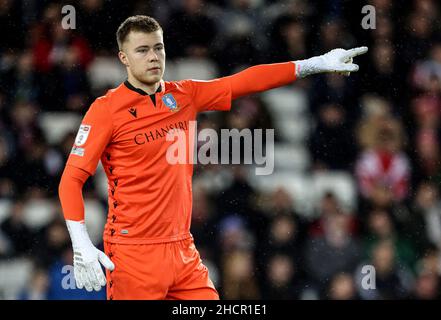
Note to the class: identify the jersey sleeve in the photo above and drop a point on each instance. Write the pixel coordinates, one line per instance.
(93, 136)
(211, 95)
(70, 193)
(261, 78)
(217, 94)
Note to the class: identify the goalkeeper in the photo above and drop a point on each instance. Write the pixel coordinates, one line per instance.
(149, 252)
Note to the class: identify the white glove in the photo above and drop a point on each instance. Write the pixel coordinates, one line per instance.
(337, 60)
(87, 258)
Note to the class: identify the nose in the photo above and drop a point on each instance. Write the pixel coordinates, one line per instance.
(152, 56)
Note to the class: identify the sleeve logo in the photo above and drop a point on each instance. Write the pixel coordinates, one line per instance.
(82, 134)
(77, 151)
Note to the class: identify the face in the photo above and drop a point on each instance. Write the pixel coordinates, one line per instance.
(144, 56)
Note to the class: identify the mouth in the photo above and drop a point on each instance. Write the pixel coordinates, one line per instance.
(154, 69)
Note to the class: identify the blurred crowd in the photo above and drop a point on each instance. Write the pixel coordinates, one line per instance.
(380, 125)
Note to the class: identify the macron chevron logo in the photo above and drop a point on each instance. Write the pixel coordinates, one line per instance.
(132, 111)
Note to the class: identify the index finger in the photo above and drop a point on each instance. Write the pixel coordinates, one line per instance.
(356, 51)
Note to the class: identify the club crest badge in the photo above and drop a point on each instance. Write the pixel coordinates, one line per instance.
(170, 102)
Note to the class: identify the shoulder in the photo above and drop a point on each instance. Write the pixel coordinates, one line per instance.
(106, 103)
(100, 110)
(112, 95)
(180, 85)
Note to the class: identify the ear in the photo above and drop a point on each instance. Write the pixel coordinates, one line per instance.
(123, 58)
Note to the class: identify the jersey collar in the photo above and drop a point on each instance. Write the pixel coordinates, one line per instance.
(142, 92)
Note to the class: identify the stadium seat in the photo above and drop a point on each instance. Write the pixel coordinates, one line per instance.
(95, 220)
(101, 183)
(170, 71)
(38, 212)
(56, 125)
(341, 184)
(5, 209)
(106, 72)
(14, 276)
(291, 157)
(191, 68)
(286, 102)
(214, 181)
(295, 130)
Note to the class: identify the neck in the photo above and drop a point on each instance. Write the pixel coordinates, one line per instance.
(149, 88)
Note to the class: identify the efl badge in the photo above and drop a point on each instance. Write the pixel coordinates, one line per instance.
(170, 102)
(82, 134)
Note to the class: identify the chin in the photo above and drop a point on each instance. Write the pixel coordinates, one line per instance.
(151, 80)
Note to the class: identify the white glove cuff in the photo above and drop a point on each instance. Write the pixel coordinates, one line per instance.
(308, 66)
(78, 234)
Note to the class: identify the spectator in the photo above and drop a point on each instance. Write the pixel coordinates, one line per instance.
(238, 280)
(331, 145)
(428, 71)
(392, 281)
(427, 287)
(24, 79)
(342, 287)
(203, 219)
(384, 70)
(192, 31)
(50, 48)
(383, 170)
(7, 185)
(427, 209)
(288, 34)
(51, 242)
(19, 235)
(329, 207)
(334, 251)
(381, 228)
(283, 279)
(229, 203)
(419, 37)
(333, 35)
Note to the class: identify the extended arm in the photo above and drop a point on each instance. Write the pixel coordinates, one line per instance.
(268, 76)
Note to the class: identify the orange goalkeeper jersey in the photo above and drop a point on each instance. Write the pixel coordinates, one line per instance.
(150, 200)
